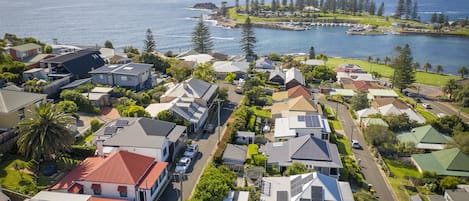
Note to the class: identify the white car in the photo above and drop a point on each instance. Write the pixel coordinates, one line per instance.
(441, 115)
(426, 106)
(192, 151)
(356, 144)
(183, 165)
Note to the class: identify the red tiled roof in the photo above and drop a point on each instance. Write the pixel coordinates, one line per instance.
(299, 91)
(152, 175)
(364, 85)
(121, 167)
(78, 173)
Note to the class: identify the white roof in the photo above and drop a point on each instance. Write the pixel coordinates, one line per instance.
(313, 62)
(185, 107)
(107, 53)
(390, 109)
(94, 96)
(414, 116)
(294, 74)
(289, 124)
(366, 112)
(355, 76)
(57, 196)
(156, 108)
(242, 196)
(284, 130)
(198, 58)
(230, 66)
(101, 90)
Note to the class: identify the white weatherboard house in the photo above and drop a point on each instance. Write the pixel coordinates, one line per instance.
(301, 125)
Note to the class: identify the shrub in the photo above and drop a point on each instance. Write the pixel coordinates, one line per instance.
(78, 151)
(95, 125)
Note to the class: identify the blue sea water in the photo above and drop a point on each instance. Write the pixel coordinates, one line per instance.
(89, 22)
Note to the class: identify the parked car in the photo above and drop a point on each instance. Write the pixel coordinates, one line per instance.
(192, 151)
(426, 106)
(441, 115)
(356, 144)
(183, 165)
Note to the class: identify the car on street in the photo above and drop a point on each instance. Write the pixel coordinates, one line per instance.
(356, 144)
(426, 106)
(183, 165)
(192, 151)
(441, 115)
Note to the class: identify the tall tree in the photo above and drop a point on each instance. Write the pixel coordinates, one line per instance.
(439, 68)
(248, 39)
(46, 134)
(201, 40)
(441, 18)
(427, 66)
(415, 10)
(247, 7)
(402, 64)
(360, 101)
(416, 65)
(386, 60)
(312, 54)
(381, 9)
(372, 8)
(400, 9)
(273, 6)
(463, 71)
(149, 44)
(223, 8)
(291, 6)
(237, 5)
(408, 9)
(108, 44)
(450, 87)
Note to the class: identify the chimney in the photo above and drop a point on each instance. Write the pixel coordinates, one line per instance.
(99, 147)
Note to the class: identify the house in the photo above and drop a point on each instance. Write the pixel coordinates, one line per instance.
(301, 125)
(381, 93)
(77, 64)
(294, 92)
(313, 62)
(222, 68)
(391, 109)
(38, 73)
(314, 153)
(132, 75)
(106, 53)
(341, 76)
(310, 186)
(361, 85)
(197, 58)
(119, 59)
(64, 49)
(153, 138)
(447, 162)
(204, 93)
(277, 76)
(237, 196)
(349, 68)
(365, 122)
(17, 105)
(379, 102)
(264, 64)
(245, 137)
(346, 93)
(293, 78)
(185, 108)
(21, 52)
(294, 106)
(235, 156)
(35, 61)
(59, 196)
(366, 112)
(459, 194)
(121, 175)
(99, 96)
(425, 137)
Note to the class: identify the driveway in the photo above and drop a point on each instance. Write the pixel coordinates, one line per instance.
(370, 169)
(207, 145)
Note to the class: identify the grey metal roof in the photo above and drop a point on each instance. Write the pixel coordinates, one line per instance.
(235, 154)
(76, 83)
(124, 69)
(79, 63)
(142, 132)
(245, 134)
(305, 149)
(193, 88)
(282, 196)
(14, 100)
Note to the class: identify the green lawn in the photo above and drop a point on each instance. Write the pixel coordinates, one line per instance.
(335, 124)
(400, 170)
(342, 144)
(261, 112)
(386, 71)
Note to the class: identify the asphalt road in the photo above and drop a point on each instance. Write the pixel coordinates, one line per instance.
(207, 144)
(370, 168)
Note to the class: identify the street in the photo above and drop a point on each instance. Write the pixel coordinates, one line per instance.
(371, 170)
(207, 144)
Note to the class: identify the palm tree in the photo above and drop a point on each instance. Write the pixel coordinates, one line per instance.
(427, 66)
(45, 134)
(204, 72)
(463, 71)
(370, 58)
(386, 60)
(450, 87)
(416, 65)
(377, 59)
(439, 69)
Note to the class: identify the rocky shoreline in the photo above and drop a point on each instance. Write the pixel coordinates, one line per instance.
(208, 6)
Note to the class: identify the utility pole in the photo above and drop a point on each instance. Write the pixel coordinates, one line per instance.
(180, 182)
(352, 133)
(219, 128)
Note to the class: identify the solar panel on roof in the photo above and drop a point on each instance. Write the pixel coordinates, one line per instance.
(110, 130)
(121, 123)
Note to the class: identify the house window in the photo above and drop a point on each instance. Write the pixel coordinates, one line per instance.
(154, 187)
(325, 136)
(101, 76)
(21, 113)
(124, 78)
(333, 171)
(96, 189)
(122, 191)
(123, 194)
